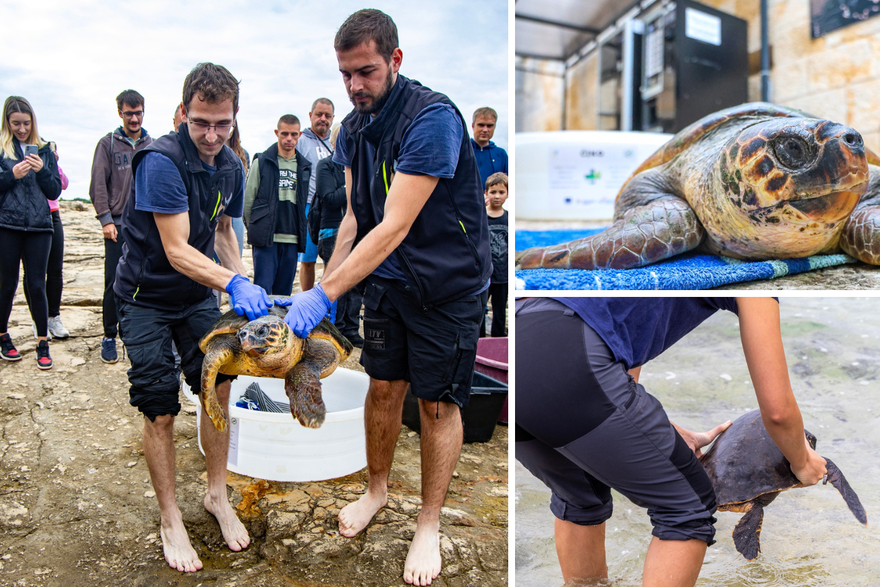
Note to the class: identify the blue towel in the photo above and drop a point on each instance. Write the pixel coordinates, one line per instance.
(688, 271)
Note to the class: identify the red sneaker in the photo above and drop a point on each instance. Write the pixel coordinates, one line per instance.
(7, 349)
(44, 361)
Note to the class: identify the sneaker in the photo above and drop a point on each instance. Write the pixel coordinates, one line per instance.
(37, 336)
(44, 361)
(7, 349)
(56, 328)
(108, 350)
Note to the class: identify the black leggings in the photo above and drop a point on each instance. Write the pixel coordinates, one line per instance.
(54, 276)
(30, 249)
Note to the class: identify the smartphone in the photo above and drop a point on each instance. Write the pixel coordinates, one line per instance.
(30, 150)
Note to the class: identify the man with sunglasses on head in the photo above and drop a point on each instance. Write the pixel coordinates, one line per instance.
(111, 182)
(187, 188)
(277, 187)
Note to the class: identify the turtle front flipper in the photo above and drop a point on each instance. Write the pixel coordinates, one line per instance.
(747, 534)
(303, 383)
(836, 478)
(860, 236)
(658, 230)
(216, 355)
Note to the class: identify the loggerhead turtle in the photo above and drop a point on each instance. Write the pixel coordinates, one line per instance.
(748, 471)
(756, 181)
(266, 347)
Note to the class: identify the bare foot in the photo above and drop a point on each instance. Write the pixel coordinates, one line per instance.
(234, 532)
(179, 553)
(423, 560)
(356, 516)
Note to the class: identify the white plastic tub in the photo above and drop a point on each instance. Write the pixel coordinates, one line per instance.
(276, 447)
(575, 175)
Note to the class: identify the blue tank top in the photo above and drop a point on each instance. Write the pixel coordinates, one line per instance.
(639, 329)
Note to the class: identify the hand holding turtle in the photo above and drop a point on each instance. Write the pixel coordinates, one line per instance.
(306, 310)
(812, 471)
(247, 298)
(697, 440)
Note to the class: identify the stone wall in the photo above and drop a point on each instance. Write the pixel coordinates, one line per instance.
(836, 76)
(539, 91)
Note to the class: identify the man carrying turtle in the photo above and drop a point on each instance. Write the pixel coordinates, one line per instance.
(416, 229)
(585, 425)
(187, 188)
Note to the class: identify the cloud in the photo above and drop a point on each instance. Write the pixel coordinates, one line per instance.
(71, 59)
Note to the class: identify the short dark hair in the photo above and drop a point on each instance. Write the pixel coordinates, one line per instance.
(495, 179)
(323, 101)
(368, 25)
(129, 98)
(289, 119)
(485, 111)
(212, 82)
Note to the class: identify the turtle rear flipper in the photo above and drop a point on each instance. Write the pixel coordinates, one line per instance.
(216, 356)
(658, 230)
(836, 478)
(747, 534)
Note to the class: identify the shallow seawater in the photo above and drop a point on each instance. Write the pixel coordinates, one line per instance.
(809, 537)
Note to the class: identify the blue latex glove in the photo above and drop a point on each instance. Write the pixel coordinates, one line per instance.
(306, 310)
(283, 301)
(247, 298)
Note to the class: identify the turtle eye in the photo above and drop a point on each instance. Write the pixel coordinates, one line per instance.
(792, 152)
(263, 330)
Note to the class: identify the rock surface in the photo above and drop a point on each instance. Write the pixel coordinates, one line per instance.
(77, 508)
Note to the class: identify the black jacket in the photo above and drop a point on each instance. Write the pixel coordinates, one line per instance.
(261, 227)
(144, 276)
(330, 188)
(446, 253)
(23, 204)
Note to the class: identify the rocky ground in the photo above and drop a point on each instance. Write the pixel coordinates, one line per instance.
(77, 508)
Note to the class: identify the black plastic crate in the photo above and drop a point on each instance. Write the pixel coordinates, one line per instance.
(480, 415)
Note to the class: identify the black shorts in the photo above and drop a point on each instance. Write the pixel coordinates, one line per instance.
(434, 350)
(583, 426)
(147, 334)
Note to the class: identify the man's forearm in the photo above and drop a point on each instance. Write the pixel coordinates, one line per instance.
(186, 259)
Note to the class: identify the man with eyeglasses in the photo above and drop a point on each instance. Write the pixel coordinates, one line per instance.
(111, 182)
(314, 144)
(187, 188)
(277, 186)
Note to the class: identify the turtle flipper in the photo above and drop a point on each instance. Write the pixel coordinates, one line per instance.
(860, 236)
(303, 387)
(216, 356)
(747, 534)
(836, 478)
(658, 230)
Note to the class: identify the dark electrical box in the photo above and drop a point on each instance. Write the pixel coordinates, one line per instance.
(694, 61)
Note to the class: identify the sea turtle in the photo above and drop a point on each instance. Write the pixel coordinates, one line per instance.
(748, 471)
(267, 347)
(756, 181)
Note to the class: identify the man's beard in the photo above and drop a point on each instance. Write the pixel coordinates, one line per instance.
(378, 103)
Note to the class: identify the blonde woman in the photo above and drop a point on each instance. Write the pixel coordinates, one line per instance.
(27, 181)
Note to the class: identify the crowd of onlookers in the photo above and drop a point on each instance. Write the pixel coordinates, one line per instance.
(295, 199)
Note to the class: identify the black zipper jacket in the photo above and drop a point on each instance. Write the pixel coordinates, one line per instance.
(144, 275)
(446, 253)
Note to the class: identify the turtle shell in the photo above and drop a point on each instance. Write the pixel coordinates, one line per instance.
(745, 463)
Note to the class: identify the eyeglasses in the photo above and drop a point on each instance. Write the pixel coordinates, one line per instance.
(222, 130)
(137, 113)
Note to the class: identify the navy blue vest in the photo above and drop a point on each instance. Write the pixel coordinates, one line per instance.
(446, 253)
(144, 275)
(261, 228)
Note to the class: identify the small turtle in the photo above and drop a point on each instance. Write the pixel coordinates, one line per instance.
(749, 471)
(756, 181)
(267, 347)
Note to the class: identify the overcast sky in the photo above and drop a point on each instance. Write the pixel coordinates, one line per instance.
(71, 59)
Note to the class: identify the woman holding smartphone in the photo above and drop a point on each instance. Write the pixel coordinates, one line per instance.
(28, 178)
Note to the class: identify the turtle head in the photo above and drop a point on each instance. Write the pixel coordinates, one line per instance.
(267, 334)
(801, 170)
